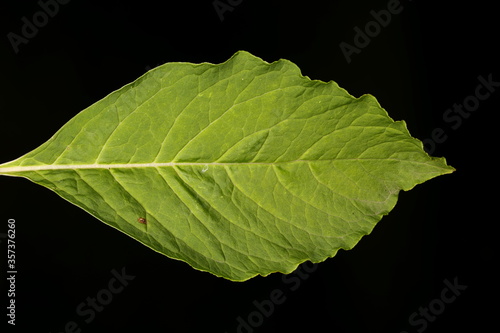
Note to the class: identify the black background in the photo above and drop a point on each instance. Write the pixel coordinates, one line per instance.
(428, 58)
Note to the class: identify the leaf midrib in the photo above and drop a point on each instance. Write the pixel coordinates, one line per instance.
(4, 170)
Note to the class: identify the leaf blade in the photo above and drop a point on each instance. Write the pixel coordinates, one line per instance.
(239, 169)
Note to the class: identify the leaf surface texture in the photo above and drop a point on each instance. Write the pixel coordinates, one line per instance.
(239, 169)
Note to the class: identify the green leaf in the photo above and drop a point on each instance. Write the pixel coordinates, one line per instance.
(238, 169)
